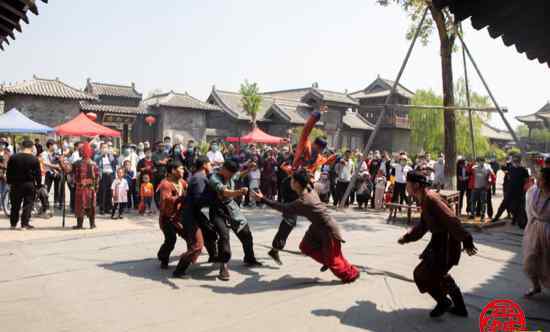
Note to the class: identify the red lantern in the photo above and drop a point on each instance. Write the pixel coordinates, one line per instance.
(92, 116)
(150, 120)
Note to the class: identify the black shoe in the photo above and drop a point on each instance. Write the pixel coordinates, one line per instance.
(212, 259)
(461, 312)
(274, 254)
(224, 272)
(441, 308)
(164, 265)
(28, 227)
(180, 269)
(252, 263)
(78, 227)
(324, 268)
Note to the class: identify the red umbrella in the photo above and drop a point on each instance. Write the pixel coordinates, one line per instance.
(83, 126)
(256, 136)
(92, 116)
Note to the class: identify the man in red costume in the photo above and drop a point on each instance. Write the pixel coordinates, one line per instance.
(86, 177)
(172, 192)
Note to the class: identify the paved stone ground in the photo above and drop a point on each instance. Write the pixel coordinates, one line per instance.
(108, 280)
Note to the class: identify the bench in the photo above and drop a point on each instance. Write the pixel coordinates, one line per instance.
(395, 206)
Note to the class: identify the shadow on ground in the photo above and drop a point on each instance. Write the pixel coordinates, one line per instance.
(366, 315)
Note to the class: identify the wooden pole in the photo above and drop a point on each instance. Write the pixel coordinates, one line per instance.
(508, 126)
(432, 107)
(387, 101)
(468, 101)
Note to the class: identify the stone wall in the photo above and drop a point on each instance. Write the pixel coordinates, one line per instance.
(221, 125)
(181, 122)
(45, 110)
(392, 140)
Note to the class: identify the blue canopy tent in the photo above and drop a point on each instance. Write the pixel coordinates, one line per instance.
(13, 122)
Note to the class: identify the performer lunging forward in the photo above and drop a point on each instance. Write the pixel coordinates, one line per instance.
(322, 240)
(443, 252)
(307, 155)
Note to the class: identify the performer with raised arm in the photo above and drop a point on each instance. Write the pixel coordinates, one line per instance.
(323, 240)
(306, 155)
(443, 252)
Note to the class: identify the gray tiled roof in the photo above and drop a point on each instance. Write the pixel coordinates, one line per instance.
(293, 110)
(93, 107)
(112, 90)
(372, 91)
(535, 117)
(326, 95)
(231, 102)
(494, 133)
(179, 100)
(46, 88)
(11, 15)
(354, 120)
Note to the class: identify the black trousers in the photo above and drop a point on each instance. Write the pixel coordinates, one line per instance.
(504, 206)
(285, 228)
(170, 238)
(119, 207)
(517, 207)
(399, 193)
(21, 193)
(224, 243)
(54, 180)
(105, 193)
(340, 191)
(461, 193)
(133, 200)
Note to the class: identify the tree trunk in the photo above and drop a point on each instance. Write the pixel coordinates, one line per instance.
(446, 50)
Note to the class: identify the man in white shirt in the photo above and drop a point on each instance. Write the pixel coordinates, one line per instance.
(400, 189)
(344, 172)
(215, 155)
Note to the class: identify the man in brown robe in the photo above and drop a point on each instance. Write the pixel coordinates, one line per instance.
(86, 178)
(443, 252)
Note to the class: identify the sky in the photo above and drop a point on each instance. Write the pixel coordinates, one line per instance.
(191, 45)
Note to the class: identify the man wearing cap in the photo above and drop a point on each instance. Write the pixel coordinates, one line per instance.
(443, 251)
(85, 173)
(225, 214)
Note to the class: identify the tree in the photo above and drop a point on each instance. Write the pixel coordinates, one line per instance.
(446, 33)
(251, 100)
(315, 132)
(428, 128)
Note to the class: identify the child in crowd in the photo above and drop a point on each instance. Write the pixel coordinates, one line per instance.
(130, 179)
(146, 193)
(120, 193)
(380, 189)
(323, 187)
(254, 177)
(364, 190)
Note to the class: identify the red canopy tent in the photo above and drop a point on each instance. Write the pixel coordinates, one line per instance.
(256, 136)
(83, 126)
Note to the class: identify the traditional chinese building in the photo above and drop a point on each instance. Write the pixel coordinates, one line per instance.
(47, 101)
(395, 133)
(281, 111)
(12, 13)
(499, 137)
(118, 107)
(179, 115)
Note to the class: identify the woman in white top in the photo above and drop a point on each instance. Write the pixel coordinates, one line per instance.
(536, 237)
(215, 155)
